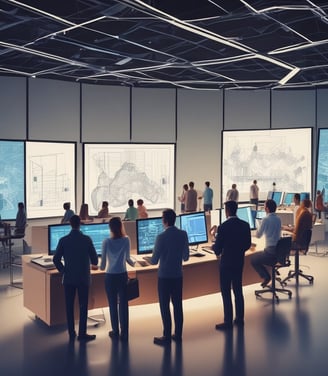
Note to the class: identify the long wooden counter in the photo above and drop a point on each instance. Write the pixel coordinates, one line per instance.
(44, 293)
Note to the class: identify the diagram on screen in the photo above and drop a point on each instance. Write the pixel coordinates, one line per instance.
(116, 173)
(50, 178)
(282, 156)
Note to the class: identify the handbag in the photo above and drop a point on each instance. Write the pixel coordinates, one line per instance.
(133, 288)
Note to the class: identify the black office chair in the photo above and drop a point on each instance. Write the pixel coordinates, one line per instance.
(298, 248)
(282, 251)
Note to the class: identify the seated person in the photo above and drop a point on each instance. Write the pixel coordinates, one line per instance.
(104, 213)
(297, 203)
(142, 211)
(303, 224)
(270, 227)
(21, 222)
(84, 213)
(68, 212)
(131, 213)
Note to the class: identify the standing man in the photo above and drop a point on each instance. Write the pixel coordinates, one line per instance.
(254, 194)
(78, 252)
(232, 240)
(191, 198)
(271, 228)
(233, 194)
(170, 250)
(208, 197)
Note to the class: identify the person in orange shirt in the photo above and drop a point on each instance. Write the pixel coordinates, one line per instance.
(303, 224)
(142, 211)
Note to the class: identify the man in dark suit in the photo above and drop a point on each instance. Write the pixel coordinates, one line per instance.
(78, 252)
(232, 240)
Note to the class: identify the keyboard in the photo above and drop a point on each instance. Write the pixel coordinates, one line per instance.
(147, 259)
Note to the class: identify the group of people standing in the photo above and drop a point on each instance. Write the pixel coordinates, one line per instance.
(78, 252)
(189, 197)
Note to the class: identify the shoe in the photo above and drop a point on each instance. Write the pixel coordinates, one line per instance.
(223, 326)
(177, 339)
(113, 335)
(239, 323)
(162, 341)
(86, 337)
(265, 282)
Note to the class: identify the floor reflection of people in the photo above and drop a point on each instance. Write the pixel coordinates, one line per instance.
(234, 353)
(302, 322)
(119, 360)
(172, 364)
(76, 362)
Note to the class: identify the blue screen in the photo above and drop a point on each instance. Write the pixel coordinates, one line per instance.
(195, 225)
(288, 198)
(147, 231)
(277, 196)
(97, 232)
(305, 195)
(244, 213)
(12, 177)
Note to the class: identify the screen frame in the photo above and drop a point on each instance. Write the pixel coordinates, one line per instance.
(192, 214)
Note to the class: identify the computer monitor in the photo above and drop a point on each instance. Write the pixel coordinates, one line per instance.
(97, 232)
(305, 195)
(277, 197)
(288, 198)
(147, 230)
(269, 195)
(243, 212)
(195, 225)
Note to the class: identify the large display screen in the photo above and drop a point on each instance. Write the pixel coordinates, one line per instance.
(280, 156)
(12, 177)
(119, 172)
(322, 163)
(195, 225)
(97, 232)
(50, 178)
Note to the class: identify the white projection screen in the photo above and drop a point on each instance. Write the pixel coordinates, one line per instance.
(283, 156)
(50, 178)
(118, 172)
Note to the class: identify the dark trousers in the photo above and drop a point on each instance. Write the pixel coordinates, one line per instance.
(170, 289)
(116, 290)
(232, 277)
(260, 259)
(83, 295)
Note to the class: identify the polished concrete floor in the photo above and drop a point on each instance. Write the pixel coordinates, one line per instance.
(278, 339)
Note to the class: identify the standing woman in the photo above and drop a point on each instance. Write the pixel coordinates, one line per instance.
(115, 254)
(182, 198)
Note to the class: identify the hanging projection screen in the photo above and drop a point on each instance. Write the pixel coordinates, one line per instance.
(118, 172)
(283, 156)
(12, 178)
(50, 178)
(322, 163)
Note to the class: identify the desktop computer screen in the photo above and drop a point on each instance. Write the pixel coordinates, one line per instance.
(288, 198)
(97, 232)
(147, 230)
(277, 197)
(305, 195)
(245, 213)
(195, 226)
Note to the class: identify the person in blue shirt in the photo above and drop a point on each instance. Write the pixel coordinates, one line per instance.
(170, 250)
(68, 212)
(114, 255)
(208, 197)
(271, 228)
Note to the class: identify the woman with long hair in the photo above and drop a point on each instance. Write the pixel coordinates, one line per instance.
(115, 254)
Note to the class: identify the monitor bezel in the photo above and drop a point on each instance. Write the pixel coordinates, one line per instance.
(202, 213)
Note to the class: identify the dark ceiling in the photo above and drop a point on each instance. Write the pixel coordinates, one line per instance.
(193, 44)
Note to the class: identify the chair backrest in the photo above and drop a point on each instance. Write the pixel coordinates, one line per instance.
(306, 240)
(283, 248)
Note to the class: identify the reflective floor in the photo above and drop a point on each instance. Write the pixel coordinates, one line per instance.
(278, 339)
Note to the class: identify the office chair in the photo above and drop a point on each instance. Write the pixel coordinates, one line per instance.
(297, 248)
(282, 251)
